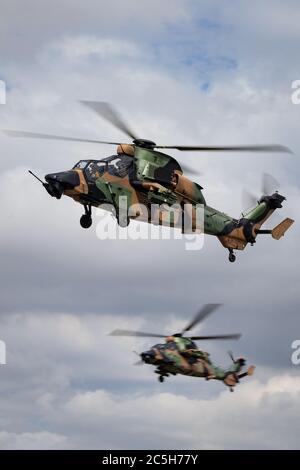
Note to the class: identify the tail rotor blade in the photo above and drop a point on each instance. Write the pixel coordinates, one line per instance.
(269, 184)
(230, 354)
(248, 199)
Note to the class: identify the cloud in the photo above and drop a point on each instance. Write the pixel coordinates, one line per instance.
(31, 441)
(176, 421)
(62, 289)
(87, 394)
(104, 49)
(38, 25)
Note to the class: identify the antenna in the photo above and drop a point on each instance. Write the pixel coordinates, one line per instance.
(39, 179)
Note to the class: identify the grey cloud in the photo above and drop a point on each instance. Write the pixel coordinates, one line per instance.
(51, 267)
(75, 407)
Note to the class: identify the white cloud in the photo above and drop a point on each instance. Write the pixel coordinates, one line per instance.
(178, 421)
(31, 441)
(62, 370)
(89, 395)
(104, 49)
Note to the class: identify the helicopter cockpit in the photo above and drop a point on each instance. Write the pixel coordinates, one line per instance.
(114, 165)
(81, 165)
(169, 345)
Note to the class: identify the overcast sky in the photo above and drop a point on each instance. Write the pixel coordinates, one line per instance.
(204, 72)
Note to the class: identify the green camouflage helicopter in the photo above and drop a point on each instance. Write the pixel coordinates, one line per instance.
(180, 355)
(146, 178)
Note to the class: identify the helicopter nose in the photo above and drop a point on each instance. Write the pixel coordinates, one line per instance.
(148, 357)
(67, 179)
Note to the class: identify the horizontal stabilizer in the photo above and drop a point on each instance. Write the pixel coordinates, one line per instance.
(250, 371)
(281, 228)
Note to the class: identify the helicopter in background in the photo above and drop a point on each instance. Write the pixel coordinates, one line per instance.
(147, 178)
(179, 354)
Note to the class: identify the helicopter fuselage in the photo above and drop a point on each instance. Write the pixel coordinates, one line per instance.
(180, 355)
(152, 187)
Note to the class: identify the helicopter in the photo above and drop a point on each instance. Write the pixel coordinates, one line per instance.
(147, 178)
(180, 354)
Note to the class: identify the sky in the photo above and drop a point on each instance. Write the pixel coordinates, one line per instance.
(203, 73)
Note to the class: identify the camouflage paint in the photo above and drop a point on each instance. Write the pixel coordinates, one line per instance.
(157, 178)
(194, 362)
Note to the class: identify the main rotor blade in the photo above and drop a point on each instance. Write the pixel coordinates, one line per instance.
(229, 148)
(201, 315)
(188, 169)
(36, 135)
(135, 333)
(233, 336)
(269, 184)
(106, 111)
(230, 354)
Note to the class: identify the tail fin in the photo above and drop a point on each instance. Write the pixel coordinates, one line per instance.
(281, 228)
(231, 378)
(261, 213)
(232, 375)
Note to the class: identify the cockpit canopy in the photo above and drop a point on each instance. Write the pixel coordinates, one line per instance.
(114, 165)
(169, 345)
(81, 164)
(186, 343)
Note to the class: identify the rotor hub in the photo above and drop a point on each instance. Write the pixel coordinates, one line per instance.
(144, 143)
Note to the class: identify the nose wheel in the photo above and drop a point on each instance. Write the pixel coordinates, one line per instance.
(231, 256)
(86, 219)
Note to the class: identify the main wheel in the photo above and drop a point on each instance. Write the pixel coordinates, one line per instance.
(86, 221)
(232, 257)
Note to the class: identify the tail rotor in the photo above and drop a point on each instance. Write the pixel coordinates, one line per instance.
(269, 185)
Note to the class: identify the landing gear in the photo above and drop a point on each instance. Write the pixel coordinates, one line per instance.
(123, 219)
(162, 374)
(231, 256)
(86, 219)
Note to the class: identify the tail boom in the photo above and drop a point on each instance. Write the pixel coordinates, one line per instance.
(238, 233)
